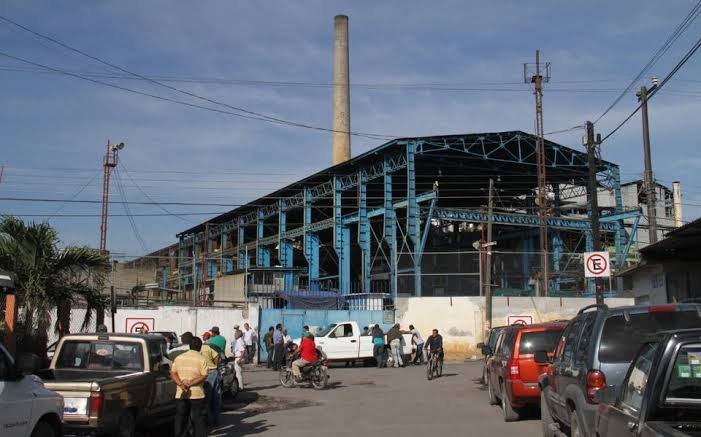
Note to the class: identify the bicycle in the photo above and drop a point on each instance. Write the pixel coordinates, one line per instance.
(434, 366)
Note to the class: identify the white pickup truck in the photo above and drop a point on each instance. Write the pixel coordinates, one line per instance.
(343, 341)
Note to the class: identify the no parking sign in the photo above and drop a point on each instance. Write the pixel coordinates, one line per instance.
(597, 265)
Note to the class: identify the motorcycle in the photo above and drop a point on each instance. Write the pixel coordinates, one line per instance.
(316, 373)
(230, 384)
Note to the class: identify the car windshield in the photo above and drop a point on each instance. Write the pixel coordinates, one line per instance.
(539, 341)
(100, 355)
(323, 331)
(621, 340)
(685, 380)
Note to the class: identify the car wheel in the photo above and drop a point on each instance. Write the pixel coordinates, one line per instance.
(490, 392)
(127, 425)
(510, 413)
(546, 419)
(44, 429)
(575, 426)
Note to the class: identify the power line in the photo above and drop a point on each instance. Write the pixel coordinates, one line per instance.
(678, 31)
(655, 90)
(74, 196)
(127, 210)
(256, 115)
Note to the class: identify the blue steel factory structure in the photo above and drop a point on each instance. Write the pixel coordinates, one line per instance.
(364, 226)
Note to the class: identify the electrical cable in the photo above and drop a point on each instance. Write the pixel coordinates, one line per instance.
(161, 207)
(655, 90)
(73, 197)
(678, 31)
(257, 115)
(127, 210)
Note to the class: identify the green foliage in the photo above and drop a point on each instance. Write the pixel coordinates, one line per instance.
(50, 277)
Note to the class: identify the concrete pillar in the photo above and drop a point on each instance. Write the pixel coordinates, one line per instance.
(341, 92)
(677, 197)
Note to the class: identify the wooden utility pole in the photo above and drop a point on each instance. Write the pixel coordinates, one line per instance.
(592, 163)
(540, 77)
(488, 244)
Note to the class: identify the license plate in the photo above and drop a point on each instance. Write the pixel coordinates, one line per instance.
(75, 406)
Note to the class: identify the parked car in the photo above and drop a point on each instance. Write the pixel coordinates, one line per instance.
(171, 337)
(595, 351)
(342, 341)
(27, 408)
(512, 373)
(490, 342)
(661, 392)
(112, 383)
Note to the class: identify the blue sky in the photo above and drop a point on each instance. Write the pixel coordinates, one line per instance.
(54, 127)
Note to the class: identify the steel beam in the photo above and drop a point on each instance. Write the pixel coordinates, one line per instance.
(285, 247)
(341, 242)
(262, 251)
(240, 246)
(311, 242)
(364, 234)
(390, 231)
(515, 219)
(419, 252)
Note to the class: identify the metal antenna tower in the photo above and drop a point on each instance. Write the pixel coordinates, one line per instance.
(110, 161)
(537, 79)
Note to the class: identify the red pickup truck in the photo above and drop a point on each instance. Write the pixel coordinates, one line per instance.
(512, 373)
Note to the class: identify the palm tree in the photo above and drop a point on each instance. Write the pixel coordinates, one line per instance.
(49, 276)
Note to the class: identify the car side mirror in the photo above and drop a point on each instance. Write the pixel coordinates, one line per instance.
(486, 350)
(541, 357)
(27, 364)
(606, 395)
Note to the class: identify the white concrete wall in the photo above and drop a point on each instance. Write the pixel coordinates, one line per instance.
(179, 319)
(460, 320)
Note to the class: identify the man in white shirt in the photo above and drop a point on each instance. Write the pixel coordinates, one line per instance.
(239, 357)
(419, 342)
(249, 338)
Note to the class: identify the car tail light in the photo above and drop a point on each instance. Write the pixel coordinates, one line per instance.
(596, 380)
(663, 309)
(96, 402)
(514, 369)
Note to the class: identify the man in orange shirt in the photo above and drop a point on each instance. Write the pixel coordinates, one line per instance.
(307, 355)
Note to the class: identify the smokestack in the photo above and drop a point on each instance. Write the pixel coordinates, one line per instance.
(341, 91)
(677, 198)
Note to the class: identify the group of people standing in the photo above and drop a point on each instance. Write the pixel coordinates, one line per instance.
(277, 342)
(195, 371)
(394, 341)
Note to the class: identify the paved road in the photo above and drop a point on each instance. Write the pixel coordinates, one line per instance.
(363, 402)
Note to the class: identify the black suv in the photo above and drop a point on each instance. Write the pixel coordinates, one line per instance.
(596, 350)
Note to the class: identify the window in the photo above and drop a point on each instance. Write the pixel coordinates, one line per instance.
(685, 381)
(620, 340)
(102, 355)
(571, 341)
(531, 342)
(634, 386)
(345, 330)
(585, 338)
(507, 342)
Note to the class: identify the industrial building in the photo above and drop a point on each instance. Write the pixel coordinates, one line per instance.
(402, 219)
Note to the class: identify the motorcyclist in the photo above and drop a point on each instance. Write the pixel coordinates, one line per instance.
(307, 355)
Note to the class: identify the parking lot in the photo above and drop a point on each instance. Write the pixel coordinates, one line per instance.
(368, 402)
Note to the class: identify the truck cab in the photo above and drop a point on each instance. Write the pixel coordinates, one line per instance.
(26, 406)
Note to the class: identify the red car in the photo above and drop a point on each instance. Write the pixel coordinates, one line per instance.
(512, 373)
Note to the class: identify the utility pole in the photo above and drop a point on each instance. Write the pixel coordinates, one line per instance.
(110, 161)
(489, 243)
(592, 162)
(537, 80)
(649, 178)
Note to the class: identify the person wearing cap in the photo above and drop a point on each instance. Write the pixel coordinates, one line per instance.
(307, 355)
(206, 335)
(217, 339)
(239, 349)
(185, 340)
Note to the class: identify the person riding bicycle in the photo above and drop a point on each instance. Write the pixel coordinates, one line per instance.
(307, 355)
(434, 345)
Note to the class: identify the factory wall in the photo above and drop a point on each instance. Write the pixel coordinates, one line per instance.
(460, 319)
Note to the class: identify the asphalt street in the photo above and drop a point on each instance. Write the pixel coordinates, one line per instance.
(368, 401)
